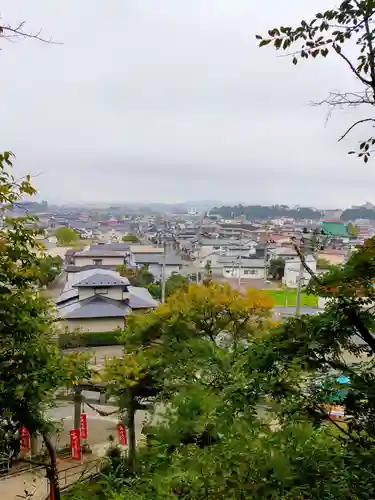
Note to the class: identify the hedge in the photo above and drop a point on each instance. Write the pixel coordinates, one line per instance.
(89, 339)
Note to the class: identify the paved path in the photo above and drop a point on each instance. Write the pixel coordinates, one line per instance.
(34, 481)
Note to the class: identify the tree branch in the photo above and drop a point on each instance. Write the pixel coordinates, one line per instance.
(351, 66)
(7, 32)
(354, 125)
(304, 263)
(100, 412)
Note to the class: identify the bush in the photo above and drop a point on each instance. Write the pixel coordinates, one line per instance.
(89, 339)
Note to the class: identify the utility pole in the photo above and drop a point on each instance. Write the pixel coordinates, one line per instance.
(199, 249)
(239, 265)
(163, 268)
(265, 257)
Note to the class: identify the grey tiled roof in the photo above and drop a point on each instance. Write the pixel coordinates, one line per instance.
(95, 307)
(140, 298)
(98, 253)
(102, 279)
(114, 247)
(70, 268)
(171, 260)
(245, 262)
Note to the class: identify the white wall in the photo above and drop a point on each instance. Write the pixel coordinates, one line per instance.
(94, 325)
(156, 270)
(246, 273)
(291, 272)
(115, 293)
(106, 261)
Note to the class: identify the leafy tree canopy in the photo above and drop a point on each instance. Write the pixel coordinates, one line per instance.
(335, 32)
(66, 236)
(253, 212)
(138, 276)
(277, 268)
(174, 283)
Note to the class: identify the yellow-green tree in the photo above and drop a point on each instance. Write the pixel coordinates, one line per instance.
(182, 340)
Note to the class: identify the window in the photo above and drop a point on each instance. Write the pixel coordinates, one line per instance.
(100, 291)
(97, 262)
(250, 271)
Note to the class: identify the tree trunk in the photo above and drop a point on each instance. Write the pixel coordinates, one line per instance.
(34, 444)
(132, 440)
(77, 407)
(52, 472)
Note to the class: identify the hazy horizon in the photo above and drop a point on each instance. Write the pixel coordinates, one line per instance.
(174, 100)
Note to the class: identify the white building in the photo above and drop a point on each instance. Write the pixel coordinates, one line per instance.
(243, 268)
(292, 269)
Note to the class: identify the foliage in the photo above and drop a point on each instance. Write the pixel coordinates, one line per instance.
(208, 268)
(132, 238)
(49, 267)
(322, 263)
(276, 268)
(31, 366)
(335, 32)
(358, 213)
(244, 403)
(174, 283)
(138, 276)
(253, 212)
(352, 229)
(89, 339)
(66, 236)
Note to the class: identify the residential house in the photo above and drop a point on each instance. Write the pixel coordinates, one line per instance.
(98, 300)
(292, 270)
(333, 256)
(98, 258)
(245, 268)
(155, 262)
(286, 253)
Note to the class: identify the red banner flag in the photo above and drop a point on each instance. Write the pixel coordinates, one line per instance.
(83, 425)
(121, 432)
(25, 439)
(75, 444)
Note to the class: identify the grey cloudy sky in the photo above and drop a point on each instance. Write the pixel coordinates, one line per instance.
(168, 100)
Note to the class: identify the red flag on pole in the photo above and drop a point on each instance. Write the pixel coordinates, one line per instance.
(83, 425)
(25, 439)
(121, 432)
(75, 444)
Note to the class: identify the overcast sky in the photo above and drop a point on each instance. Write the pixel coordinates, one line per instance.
(168, 100)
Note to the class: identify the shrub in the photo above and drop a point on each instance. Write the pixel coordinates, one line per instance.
(89, 339)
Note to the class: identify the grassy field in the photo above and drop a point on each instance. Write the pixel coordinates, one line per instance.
(286, 298)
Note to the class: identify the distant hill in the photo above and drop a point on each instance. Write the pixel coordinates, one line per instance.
(358, 213)
(254, 212)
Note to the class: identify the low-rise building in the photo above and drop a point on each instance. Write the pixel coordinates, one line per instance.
(245, 268)
(99, 300)
(292, 272)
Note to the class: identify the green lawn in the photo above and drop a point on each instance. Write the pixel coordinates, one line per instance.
(289, 298)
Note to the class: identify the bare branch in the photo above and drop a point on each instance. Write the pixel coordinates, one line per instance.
(354, 125)
(8, 32)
